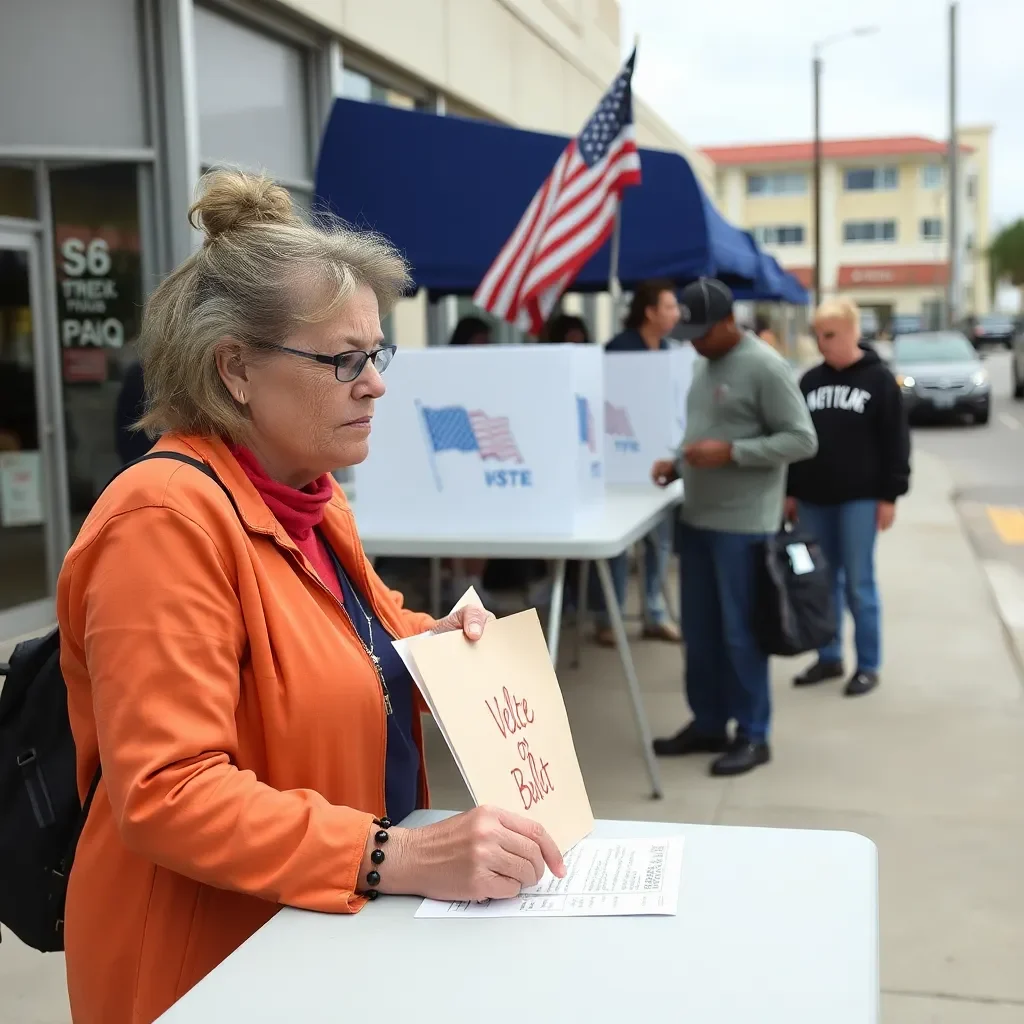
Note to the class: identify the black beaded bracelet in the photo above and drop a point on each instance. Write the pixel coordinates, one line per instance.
(377, 857)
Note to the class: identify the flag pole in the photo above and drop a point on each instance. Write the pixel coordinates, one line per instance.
(431, 454)
(614, 285)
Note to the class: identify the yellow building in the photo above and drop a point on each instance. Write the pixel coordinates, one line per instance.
(885, 217)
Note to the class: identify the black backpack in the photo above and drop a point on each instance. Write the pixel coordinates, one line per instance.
(40, 816)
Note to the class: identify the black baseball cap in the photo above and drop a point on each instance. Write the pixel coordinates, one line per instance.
(704, 303)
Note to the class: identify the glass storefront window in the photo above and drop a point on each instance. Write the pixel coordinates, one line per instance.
(23, 513)
(99, 302)
(253, 98)
(357, 86)
(17, 192)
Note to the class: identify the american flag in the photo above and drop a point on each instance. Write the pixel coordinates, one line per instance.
(616, 421)
(571, 215)
(586, 423)
(453, 428)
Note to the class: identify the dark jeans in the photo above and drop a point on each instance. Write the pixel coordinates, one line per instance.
(726, 670)
(847, 533)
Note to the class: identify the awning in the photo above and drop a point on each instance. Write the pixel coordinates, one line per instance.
(448, 191)
(773, 284)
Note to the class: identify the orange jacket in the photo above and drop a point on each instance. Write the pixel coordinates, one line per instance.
(238, 718)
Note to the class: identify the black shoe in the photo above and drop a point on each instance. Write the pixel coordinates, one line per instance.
(742, 756)
(689, 741)
(819, 672)
(861, 683)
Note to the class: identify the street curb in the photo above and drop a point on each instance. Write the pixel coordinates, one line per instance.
(1007, 587)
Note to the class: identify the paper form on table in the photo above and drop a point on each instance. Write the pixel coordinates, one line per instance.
(605, 878)
(499, 707)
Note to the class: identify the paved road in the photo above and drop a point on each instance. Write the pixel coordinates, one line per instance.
(987, 465)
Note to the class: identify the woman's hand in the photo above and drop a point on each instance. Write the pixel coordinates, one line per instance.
(470, 618)
(485, 853)
(791, 511)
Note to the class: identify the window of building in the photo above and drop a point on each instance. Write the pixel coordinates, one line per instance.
(871, 179)
(358, 86)
(931, 314)
(969, 242)
(931, 229)
(100, 290)
(869, 231)
(779, 234)
(17, 192)
(784, 183)
(932, 176)
(253, 97)
(972, 186)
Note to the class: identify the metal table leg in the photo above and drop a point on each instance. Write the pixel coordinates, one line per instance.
(555, 609)
(581, 611)
(622, 643)
(435, 587)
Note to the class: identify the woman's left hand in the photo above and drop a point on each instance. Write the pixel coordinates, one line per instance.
(470, 618)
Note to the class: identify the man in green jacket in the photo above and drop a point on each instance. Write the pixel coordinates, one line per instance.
(746, 422)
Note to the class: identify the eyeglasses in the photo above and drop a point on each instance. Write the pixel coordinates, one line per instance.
(348, 365)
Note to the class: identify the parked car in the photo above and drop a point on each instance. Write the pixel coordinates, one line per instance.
(993, 329)
(941, 374)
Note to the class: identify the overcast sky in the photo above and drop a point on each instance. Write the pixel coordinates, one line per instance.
(723, 71)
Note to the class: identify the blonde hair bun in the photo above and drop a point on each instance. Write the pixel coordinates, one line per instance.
(229, 200)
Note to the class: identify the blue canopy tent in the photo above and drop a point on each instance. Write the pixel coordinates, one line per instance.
(772, 284)
(448, 191)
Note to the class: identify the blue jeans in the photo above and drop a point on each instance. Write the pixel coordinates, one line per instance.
(657, 551)
(846, 533)
(726, 670)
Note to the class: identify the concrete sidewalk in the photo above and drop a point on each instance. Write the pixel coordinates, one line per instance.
(931, 767)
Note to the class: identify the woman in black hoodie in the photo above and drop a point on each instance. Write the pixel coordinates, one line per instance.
(848, 491)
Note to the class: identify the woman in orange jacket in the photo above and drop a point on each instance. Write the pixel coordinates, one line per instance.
(228, 661)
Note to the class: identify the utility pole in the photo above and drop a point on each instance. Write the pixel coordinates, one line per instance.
(953, 186)
(816, 68)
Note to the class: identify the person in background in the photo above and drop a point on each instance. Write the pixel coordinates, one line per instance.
(131, 407)
(763, 329)
(566, 328)
(471, 330)
(745, 422)
(653, 313)
(848, 491)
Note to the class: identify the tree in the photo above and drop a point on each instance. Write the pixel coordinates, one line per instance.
(1006, 255)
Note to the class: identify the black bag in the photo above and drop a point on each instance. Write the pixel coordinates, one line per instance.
(794, 605)
(40, 816)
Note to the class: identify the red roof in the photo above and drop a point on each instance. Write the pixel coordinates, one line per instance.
(831, 149)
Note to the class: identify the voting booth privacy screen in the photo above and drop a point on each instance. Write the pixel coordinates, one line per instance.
(644, 410)
(474, 440)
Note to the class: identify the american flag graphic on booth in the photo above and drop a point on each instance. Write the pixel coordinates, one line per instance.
(616, 421)
(586, 423)
(454, 428)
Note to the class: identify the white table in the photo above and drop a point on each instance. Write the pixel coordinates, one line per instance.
(629, 514)
(775, 926)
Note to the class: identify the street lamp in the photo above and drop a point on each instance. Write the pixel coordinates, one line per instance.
(816, 65)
